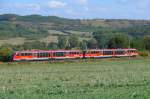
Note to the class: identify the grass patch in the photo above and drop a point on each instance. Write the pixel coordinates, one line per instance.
(95, 79)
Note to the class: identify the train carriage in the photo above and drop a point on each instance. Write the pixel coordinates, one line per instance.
(72, 54)
(95, 53)
(66, 54)
(32, 55)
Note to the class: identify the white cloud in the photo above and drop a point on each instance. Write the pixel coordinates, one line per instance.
(30, 6)
(83, 2)
(23, 6)
(86, 8)
(72, 12)
(56, 4)
(124, 1)
(143, 4)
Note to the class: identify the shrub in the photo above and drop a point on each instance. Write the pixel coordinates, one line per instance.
(6, 54)
(144, 53)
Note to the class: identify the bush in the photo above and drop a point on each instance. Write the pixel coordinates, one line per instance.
(6, 54)
(144, 53)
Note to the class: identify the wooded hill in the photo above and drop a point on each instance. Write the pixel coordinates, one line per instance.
(37, 26)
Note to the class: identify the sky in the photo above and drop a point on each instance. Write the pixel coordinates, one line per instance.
(79, 9)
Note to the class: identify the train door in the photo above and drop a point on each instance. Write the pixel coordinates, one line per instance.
(84, 54)
(35, 55)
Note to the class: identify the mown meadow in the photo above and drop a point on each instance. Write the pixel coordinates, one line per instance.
(96, 79)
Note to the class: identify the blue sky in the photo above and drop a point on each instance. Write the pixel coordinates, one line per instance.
(83, 9)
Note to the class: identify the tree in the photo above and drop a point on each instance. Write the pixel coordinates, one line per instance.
(73, 41)
(146, 41)
(92, 44)
(52, 46)
(83, 45)
(102, 38)
(6, 53)
(137, 43)
(119, 41)
(62, 42)
(34, 45)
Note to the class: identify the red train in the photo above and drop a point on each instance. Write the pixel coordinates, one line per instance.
(72, 54)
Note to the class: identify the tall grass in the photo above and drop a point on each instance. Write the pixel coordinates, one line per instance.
(100, 79)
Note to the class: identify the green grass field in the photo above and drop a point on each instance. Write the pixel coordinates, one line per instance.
(99, 79)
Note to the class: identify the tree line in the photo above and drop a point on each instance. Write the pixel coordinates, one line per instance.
(99, 40)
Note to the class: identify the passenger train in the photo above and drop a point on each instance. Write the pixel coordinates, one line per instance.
(39, 55)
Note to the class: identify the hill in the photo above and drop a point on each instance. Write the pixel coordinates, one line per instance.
(37, 27)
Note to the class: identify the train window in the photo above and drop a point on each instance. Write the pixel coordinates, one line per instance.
(100, 52)
(29, 54)
(131, 51)
(128, 51)
(18, 54)
(94, 52)
(39, 55)
(50, 54)
(73, 52)
(119, 52)
(25, 54)
(22, 54)
(134, 51)
(35, 54)
(43, 54)
(60, 54)
(78, 53)
(107, 52)
(46, 54)
(89, 52)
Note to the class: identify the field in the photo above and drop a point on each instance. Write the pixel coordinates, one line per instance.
(13, 41)
(52, 37)
(95, 79)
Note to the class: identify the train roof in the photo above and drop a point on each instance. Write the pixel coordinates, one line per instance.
(36, 51)
(111, 49)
